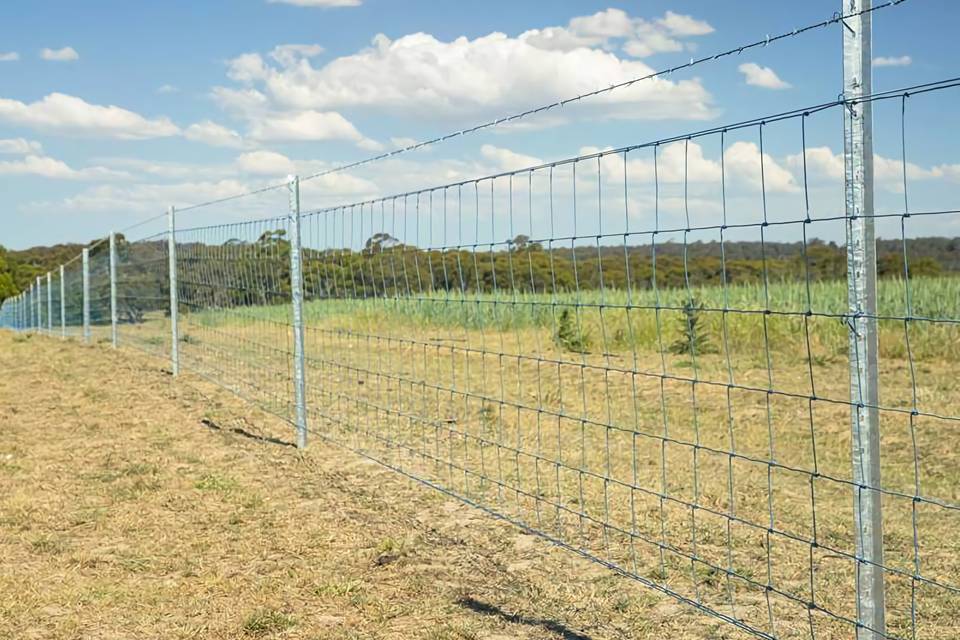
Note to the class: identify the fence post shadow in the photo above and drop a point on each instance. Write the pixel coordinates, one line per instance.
(488, 609)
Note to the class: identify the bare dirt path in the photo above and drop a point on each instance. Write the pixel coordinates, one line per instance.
(136, 506)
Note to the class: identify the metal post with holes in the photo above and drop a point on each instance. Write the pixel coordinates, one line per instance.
(174, 301)
(113, 289)
(862, 297)
(296, 295)
(86, 295)
(49, 303)
(63, 305)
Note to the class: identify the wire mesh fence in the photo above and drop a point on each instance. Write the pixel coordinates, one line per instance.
(143, 293)
(648, 355)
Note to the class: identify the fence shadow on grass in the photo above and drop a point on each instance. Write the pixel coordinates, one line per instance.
(213, 426)
(553, 626)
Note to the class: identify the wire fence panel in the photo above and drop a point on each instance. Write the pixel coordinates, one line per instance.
(143, 294)
(579, 348)
(100, 324)
(73, 298)
(234, 292)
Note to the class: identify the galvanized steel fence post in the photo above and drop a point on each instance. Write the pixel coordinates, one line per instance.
(63, 306)
(49, 304)
(864, 346)
(296, 295)
(86, 295)
(113, 289)
(174, 303)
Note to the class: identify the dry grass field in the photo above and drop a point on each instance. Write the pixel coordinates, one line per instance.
(133, 506)
(724, 478)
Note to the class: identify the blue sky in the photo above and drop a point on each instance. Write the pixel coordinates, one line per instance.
(110, 111)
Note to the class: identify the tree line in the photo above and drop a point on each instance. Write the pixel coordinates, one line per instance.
(239, 273)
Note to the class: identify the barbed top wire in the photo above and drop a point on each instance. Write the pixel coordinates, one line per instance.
(836, 18)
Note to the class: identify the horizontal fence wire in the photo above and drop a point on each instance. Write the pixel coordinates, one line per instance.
(143, 294)
(234, 293)
(640, 354)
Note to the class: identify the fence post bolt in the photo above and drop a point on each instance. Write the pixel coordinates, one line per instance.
(862, 298)
(174, 303)
(296, 295)
(113, 289)
(86, 295)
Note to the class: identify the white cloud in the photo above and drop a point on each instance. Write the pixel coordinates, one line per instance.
(51, 168)
(67, 54)
(318, 3)
(167, 88)
(213, 134)
(11, 56)
(60, 113)
(20, 147)
(419, 75)
(401, 142)
(823, 163)
(311, 126)
(742, 161)
(265, 163)
(145, 198)
(652, 42)
(685, 161)
(288, 54)
(507, 160)
(892, 61)
(758, 76)
(684, 25)
(168, 170)
(642, 38)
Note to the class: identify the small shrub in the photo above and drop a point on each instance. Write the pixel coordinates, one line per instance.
(569, 335)
(693, 338)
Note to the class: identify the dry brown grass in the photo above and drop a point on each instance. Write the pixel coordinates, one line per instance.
(123, 516)
(459, 408)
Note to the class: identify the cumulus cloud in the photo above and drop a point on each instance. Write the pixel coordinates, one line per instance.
(20, 147)
(507, 160)
(758, 76)
(291, 53)
(678, 162)
(419, 74)
(684, 25)
(213, 134)
(65, 114)
(892, 61)
(46, 167)
(10, 56)
(167, 88)
(265, 163)
(318, 3)
(822, 163)
(313, 126)
(67, 54)
(639, 37)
